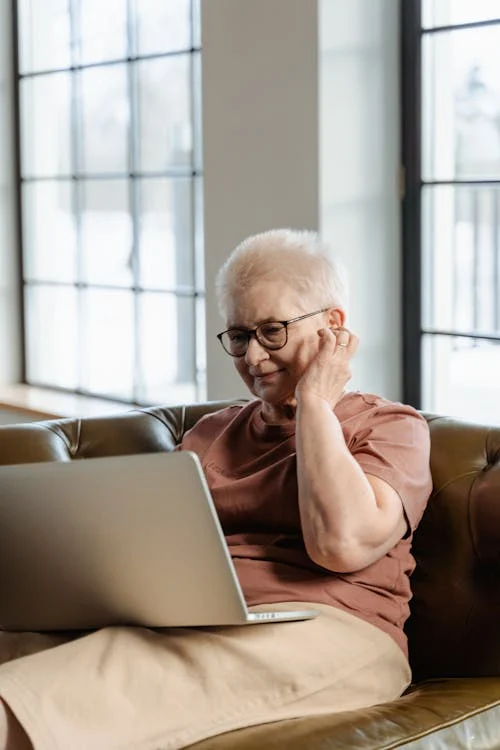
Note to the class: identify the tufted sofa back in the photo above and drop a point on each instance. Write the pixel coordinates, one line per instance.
(454, 628)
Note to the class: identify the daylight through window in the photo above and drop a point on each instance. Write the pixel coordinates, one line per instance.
(111, 197)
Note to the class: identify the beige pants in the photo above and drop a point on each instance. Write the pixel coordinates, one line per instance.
(137, 689)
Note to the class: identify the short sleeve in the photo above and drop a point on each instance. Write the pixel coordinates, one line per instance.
(391, 441)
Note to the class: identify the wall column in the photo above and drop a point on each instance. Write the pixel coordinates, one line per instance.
(260, 136)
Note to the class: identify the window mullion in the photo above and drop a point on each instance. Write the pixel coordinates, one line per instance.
(411, 206)
(134, 196)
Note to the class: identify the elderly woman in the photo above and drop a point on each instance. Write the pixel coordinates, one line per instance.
(318, 490)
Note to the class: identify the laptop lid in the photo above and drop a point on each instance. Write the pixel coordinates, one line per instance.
(99, 541)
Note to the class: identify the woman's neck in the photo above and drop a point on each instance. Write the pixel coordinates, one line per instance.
(278, 413)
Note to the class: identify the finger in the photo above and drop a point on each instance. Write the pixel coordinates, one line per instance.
(353, 343)
(326, 334)
(343, 337)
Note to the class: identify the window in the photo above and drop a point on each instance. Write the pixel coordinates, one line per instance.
(451, 213)
(111, 197)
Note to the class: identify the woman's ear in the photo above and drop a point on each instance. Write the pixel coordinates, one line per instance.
(336, 317)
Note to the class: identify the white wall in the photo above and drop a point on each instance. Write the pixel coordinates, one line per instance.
(260, 138)
(10, 364)
(358, 173)
(301, 128)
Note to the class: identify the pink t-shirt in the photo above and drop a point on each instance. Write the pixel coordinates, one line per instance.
(251, 470)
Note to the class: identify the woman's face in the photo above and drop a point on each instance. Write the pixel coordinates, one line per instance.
(272, 375)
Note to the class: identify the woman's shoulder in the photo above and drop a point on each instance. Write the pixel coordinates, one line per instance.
(357, 405)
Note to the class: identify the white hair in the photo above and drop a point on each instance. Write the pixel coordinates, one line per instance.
(297, 257)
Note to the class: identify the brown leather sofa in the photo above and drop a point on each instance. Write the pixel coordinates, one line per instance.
(454, 628)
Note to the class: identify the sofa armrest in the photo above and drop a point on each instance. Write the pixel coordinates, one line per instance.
(452, 710)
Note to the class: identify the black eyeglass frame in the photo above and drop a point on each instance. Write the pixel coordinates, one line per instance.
(249, 332)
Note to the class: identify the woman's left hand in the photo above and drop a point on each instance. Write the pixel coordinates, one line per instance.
(328, 373)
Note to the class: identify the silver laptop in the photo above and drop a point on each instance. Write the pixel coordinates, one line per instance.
(120, 540)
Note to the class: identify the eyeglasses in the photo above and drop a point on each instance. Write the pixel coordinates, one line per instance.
(273, 334)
